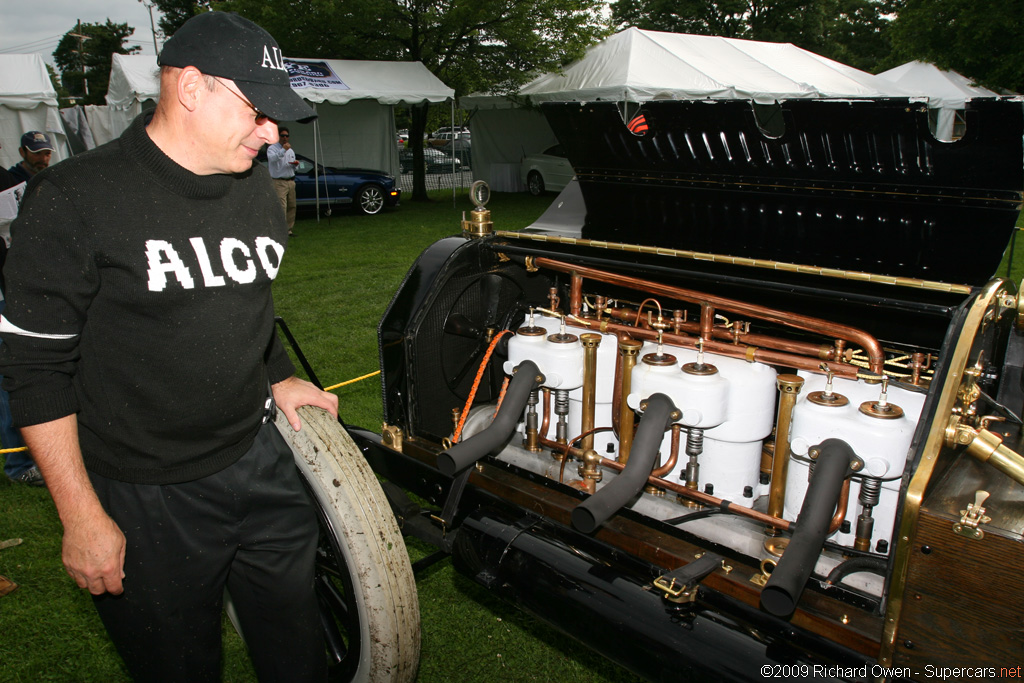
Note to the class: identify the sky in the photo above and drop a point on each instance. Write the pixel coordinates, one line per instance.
(28, 26)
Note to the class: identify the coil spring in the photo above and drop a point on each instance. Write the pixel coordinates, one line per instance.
(694, 440)
(561, 402)
(870, 487)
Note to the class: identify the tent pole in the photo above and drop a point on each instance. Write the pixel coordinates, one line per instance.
(316, 160)
(452, 129)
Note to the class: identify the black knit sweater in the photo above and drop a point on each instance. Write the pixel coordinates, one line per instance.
(139, 297)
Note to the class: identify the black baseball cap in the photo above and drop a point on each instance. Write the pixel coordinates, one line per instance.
(229, 46)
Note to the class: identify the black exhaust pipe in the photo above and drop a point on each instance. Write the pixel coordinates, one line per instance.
(592, 512)
(463, 454)
(787, 581)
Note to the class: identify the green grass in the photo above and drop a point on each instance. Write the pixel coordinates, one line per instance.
(337, 279)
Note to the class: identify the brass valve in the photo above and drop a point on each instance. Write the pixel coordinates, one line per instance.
(986, 446)
(590, 470)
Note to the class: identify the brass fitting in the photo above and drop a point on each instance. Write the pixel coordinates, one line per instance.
(590, 471)
(986, 446)
(479, 223)
(590, 342)
(789, 390)
(629, 349)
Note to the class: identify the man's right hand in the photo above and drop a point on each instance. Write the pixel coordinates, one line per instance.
(93, 553)
(94, 546)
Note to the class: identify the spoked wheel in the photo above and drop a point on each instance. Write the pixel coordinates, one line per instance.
(364, 581)
(535, 183)
(370, 199)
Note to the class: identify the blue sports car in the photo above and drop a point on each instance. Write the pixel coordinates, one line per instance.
(367, 190)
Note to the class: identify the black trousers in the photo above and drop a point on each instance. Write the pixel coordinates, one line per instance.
(250, 528)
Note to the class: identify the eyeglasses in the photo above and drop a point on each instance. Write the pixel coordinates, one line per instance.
(261, 118)
(283, 135)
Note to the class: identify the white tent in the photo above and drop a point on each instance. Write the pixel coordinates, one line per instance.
(134, 86)
(28, 102)
(638, 66)
(354, 101)
(947, 92)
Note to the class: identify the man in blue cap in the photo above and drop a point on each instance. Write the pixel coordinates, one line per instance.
(143, 367)
(36, 150)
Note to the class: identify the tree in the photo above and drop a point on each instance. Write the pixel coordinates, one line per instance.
(63, 96)
(83, 56)
(796, 21)
(858, 33)
(977, 38)
(471, 45)
(177, 12)
(854, 32)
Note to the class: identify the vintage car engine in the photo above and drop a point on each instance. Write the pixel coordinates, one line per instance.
(737, 398)
(601, 364)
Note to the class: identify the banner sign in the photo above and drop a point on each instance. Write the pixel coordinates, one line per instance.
(313, 75)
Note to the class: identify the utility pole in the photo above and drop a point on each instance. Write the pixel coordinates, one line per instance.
(152, 26)
(81, 52)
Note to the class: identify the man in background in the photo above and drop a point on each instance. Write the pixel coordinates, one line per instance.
(36, 150)
(281, 159)
(143, 367)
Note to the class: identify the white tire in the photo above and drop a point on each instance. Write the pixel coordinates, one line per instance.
(368, 594)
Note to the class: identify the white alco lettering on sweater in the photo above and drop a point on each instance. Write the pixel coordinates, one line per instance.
(235, 259)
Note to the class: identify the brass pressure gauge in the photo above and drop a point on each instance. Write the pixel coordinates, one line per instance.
(480, 193)
(479, 223)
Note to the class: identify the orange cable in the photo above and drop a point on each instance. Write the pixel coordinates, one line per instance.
(476, 384)
(501, 396)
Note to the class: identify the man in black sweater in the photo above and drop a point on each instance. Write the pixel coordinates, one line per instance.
(139, 347)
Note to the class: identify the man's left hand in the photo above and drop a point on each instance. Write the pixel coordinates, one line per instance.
(293, 392)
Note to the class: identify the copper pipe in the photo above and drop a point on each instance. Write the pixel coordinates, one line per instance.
(876, 357)
(702, 498)
(766, 458)
(820, 351)
(748, 353)
(546, 422)
(628, 350)
(707, 322)
(844, 501)
(590, 342)
(673, 455)
(576, 295)
(617, 391)
(789, 389)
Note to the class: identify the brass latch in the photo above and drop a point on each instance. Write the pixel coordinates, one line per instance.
(680, 593)
(680, 585)
(972, 517)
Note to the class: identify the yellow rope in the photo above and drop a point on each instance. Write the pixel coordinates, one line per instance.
(14, 450)
(352, 381)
